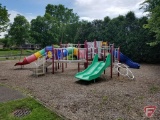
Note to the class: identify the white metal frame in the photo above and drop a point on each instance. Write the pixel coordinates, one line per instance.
(117, 67)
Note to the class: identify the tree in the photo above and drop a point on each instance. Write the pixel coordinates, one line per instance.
(97, 30)
(104, 31)
(4, 18)
(44, 30)
(19, 30)
(63, 15)
(6, 42)
(131, 28)
(70, 33)
(152, 7)
(115, 31)
(83, 31)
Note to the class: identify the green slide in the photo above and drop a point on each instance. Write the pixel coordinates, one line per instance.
(95, 69)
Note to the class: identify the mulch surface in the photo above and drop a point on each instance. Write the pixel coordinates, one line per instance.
(106, 99)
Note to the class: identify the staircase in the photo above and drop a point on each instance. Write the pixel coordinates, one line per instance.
(46, 64)
(41, 65)
(41, 69)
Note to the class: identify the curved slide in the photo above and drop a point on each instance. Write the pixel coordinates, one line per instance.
(128, 61)
(95, 69)
(31, 58)
(35, 56)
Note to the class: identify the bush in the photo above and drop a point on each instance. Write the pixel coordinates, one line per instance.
(29, 51)
(5, 49)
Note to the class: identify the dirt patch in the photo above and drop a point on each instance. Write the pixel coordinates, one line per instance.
(105, 99)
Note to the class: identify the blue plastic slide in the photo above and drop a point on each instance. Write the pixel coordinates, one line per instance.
(128, 61)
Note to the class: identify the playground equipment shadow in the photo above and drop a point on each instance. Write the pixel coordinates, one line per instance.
(96, 81)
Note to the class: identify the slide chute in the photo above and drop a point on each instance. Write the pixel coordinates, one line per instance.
(127, 61)
(95, 69)
(31, 58)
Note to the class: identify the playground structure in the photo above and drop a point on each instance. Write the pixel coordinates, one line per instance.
(73, 53)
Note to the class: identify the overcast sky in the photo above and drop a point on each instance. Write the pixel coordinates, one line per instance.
(86, 9)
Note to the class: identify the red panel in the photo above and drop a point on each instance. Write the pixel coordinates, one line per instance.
(31, 58)
(24, 62)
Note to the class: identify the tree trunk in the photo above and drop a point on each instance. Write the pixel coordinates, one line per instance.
(20, 53)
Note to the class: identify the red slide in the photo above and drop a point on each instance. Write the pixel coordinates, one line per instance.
(27, 60)
(31, 58)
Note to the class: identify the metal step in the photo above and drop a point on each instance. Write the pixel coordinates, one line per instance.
(38, 71)
(46, 64)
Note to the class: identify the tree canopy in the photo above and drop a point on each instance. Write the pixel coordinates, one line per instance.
(61, 24)
(124, 31)
(44, 30)
(4, 18)
(64, 17)
(19, 30)
(152, 7)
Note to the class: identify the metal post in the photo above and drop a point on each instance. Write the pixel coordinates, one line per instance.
(111, 60)
(87, 55)
(118, 59)
(62, 62)
(52, 59)
(78, 62)
(104, 58)
(46, 58)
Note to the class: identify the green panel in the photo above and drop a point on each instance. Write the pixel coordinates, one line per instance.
(94, 70)
(70, 50)
(42, 52)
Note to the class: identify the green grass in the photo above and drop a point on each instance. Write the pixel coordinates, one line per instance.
(105, 98)
(16, 52)
(9, 54)
(38, 112)
(10, 58)
(140, 97)
(154, 89)
(2, 59)
(119, 119)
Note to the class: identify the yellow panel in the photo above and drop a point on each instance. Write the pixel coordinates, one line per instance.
(75, 51)
(49, 54)
(37, 54)
(104, 43)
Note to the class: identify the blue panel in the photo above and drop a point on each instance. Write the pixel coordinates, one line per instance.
(49, 48)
